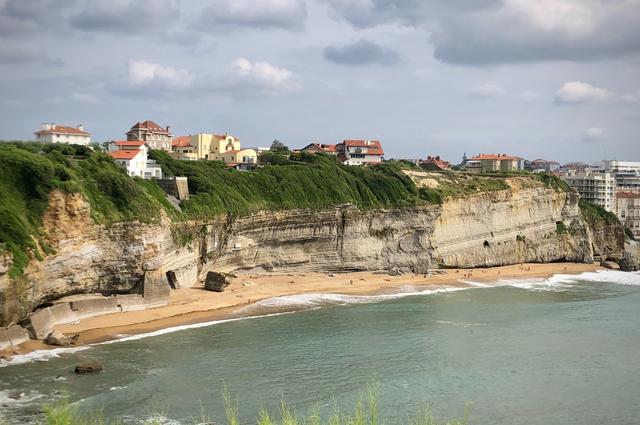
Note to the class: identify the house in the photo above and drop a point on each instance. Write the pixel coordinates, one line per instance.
(226, 148)
(628, 211)
(152, 134)
(494, 162)
(319, 147)
(360, 152)
(53, 133)
(434, 163)
(181, 148)
(542, 165)
(133, 156)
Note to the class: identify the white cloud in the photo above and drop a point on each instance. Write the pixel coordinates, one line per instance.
(486, 91)
(147, 75)
(571, 18)
(594, 134)
(579, 92)
(261, 76)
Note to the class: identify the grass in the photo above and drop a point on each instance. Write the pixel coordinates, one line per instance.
(595, 214)
(365, 411)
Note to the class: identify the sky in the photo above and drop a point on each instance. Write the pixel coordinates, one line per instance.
(553, 79)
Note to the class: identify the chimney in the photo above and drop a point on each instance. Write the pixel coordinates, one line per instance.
(168, 127)
(45, 126)
(438, 158)
(80, 127)
(53, 126)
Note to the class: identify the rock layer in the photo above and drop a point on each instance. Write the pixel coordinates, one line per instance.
(524, 224)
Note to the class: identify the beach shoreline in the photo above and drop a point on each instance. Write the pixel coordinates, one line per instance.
(189, 306)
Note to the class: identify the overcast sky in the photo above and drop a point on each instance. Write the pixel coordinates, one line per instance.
(557, 79)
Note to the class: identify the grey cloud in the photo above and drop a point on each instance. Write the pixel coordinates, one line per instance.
(361, 52)
(480, 32)
(131, 16)
(25, 17)
(25, 54)
(262, 14)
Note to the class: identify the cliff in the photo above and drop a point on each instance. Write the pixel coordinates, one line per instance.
(527, 222)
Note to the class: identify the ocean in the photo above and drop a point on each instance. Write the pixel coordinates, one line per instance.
(564, 350)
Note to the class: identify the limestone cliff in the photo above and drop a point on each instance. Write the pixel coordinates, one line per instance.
(527, 223)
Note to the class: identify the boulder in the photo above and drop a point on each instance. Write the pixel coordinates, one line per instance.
(89, 367)
(609, 265)
(215, 282)
(630, 262)
(60, 339)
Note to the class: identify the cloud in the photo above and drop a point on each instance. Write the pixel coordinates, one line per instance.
(481, 32)
(262, 14)
(579, 92)
(486, 91)
(143, 76)
(594, 134)
(361, 52)
(246, 77)
(127, 16)
(16, 53)
(26, 17)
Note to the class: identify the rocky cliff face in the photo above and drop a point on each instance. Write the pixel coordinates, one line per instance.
(534, 224)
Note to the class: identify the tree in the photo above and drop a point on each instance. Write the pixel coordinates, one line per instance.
(278, 147)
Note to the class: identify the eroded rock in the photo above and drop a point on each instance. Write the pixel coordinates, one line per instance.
(215, 282)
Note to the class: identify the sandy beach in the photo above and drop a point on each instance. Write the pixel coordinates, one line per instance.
(195, 305)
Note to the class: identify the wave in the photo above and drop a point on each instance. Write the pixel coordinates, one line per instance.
(291, 303)
(41, 355)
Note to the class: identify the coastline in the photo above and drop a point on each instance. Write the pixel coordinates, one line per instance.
(190, 306)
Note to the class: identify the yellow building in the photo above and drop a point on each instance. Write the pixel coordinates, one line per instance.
(216, 147)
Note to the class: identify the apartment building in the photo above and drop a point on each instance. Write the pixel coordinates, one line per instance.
(594, 186)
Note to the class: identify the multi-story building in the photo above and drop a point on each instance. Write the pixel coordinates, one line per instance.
(628, 211)
(494, 162)
(360, 152)
(626, 173)
(152, 134)
(133, 156)
(542, 165)
(594, 186)
(53, 133)
(213, 147)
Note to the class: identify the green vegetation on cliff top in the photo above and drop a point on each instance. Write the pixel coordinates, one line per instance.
(30, 171)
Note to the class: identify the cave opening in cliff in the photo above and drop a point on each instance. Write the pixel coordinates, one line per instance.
(172, 279)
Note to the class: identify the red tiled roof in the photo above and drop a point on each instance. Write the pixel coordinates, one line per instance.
(494, 156)
(181, 142)
(126, 154)
(628, 195)
(62, 129)
(151, 126)
(321, 147)
(373, 148)
(443, 165)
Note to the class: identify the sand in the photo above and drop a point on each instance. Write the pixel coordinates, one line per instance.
(195, 305)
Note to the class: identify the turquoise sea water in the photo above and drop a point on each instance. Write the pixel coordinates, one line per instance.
(560, 351)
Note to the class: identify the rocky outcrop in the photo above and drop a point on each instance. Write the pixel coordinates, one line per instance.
(529, 223)
(631, 259)
(215, 282)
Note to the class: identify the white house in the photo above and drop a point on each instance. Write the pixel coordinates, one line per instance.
(52, 133)
(132, 155)
(359, 152)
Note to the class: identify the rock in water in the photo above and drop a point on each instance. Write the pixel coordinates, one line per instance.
(215, 282)
(84, 368)
(60, 339)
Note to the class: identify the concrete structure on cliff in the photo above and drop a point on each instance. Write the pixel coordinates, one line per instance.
(596, 187)
(53, 133)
